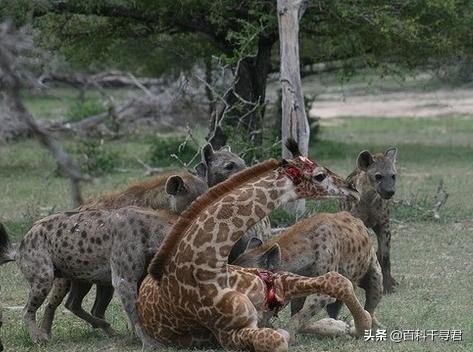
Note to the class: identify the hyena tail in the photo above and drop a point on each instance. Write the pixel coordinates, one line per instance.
(7, 253)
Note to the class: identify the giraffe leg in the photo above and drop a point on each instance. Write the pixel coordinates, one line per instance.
(58, 292)
(79, 290)
(332, 284)
(254, 339)
(237, 327)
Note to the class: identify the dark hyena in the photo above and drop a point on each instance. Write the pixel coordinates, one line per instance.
(217, 166)
(375, 180)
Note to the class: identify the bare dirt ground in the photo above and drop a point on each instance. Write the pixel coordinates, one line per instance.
(422, 95)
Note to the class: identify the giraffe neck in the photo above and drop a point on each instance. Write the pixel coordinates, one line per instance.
(203, 252)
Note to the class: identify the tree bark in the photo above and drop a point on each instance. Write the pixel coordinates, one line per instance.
(294, 122)
(245, 103)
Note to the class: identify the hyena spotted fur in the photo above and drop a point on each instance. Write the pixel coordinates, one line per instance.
(375, 180)
(313, 247)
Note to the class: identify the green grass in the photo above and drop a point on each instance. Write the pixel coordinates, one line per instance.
(431, 259)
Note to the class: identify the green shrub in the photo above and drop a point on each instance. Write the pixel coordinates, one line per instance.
(94, 159)
(161, 149)
(79, 110)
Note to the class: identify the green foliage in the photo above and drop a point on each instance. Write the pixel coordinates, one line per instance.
(94, 158)
(269, 148)
(79, 110)
(161, 150)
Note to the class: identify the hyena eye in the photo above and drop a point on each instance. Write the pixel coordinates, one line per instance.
(320, 177)
(229, 166)
(394, 177)
(378, 177)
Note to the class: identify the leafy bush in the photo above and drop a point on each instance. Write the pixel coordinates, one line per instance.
(79, 110)
(161, 149)
(94, 159)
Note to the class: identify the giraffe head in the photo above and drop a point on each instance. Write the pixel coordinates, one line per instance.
(312, 180)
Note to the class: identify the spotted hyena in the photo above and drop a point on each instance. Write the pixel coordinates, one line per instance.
(315, 246)
(375, 180)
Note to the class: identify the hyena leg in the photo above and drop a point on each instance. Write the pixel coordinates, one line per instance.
(40, 287)
(79, 290)
(333, 309)
(372, 283)
(332, 284)
(58, 292)
(296, 305)
(383, 253)
(300, 322)
(102, 300)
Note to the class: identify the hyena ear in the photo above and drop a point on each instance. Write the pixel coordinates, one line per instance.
(253, 243)
(207, 152)
(391, 154)
(271, 259)
(174, 185)
(226, 148)
(365, 159)
(201, 171)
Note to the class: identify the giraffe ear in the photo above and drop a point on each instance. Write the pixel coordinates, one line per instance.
(293, 147)
(365, 159)
(271, 259)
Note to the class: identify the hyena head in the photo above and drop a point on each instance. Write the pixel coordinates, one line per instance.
(183, 190)
(380, 171)
(258, 256)
(217, 166)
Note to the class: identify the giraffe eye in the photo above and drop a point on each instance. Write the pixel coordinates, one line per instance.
(320, 177)
(394, 177)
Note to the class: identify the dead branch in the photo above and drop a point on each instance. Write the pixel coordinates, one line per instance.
(149, 170)
(105, 79)
(12, 44)
(440, 200)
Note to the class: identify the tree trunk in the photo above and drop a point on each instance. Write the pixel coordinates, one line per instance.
(245, 103)
(294, 120)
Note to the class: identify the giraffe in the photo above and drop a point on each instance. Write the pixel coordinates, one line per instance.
(218, 165)
(193, 298)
